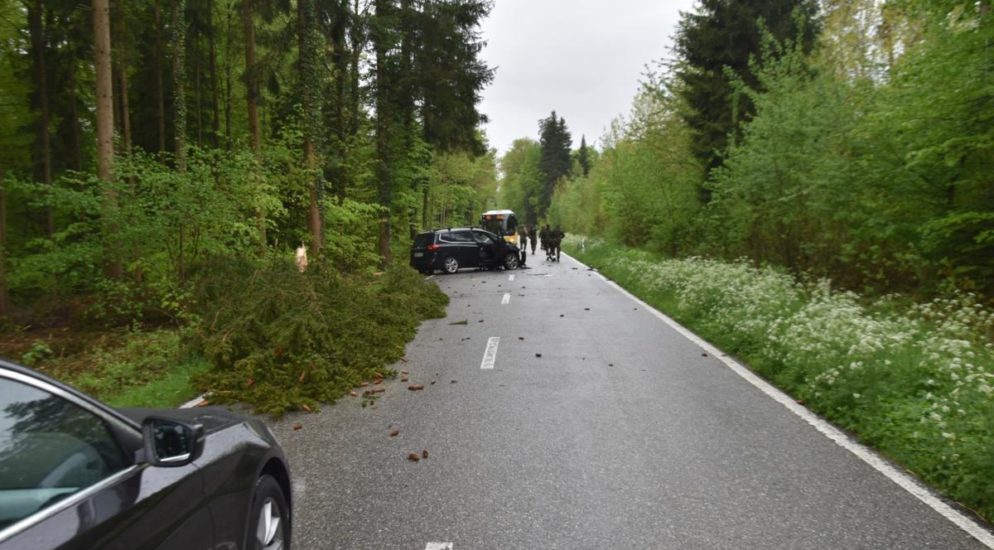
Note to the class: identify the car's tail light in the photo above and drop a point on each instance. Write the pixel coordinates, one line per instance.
(433, 247)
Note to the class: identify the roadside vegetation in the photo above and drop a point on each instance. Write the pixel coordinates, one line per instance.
(915, 381)
(153, 191)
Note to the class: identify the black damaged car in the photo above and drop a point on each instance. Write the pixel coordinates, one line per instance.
(456, 248)
(77, 474)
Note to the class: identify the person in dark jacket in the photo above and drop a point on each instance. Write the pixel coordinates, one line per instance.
(557, 239)
(533, 236)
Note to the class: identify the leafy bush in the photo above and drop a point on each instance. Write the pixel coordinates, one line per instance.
(283, 340)
(917, 381)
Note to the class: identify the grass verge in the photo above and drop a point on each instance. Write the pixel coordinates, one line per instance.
(914, 381)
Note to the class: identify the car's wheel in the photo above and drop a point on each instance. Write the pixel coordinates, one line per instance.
(511, 261)
(450, 265)
(270, 520)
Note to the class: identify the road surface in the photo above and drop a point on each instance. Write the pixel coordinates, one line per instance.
(560, 413)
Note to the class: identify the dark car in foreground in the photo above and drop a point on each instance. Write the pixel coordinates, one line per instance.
(77, 474)
(455, 248)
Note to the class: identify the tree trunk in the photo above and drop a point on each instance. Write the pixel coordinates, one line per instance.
(357, 47)
(122, 69)
(105, 124)
(215, 116)
(105, 89)
(384, 123)
(179, 82)
(159, 80)
(43, 144)
(251, 76)
(309, 50)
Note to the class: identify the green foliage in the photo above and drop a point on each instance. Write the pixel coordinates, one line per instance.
(38, 353)
(555, 162)
(915, 380)
(521, 186)
(282, 340)
(718, 39)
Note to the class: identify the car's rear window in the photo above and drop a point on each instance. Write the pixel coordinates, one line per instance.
(423, 240)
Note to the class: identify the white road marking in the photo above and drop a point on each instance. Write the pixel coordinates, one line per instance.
(506, 299)
(439, 546)
(510, 277)
(864, 453)
(490, 355)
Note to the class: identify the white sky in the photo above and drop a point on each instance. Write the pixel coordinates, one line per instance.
(582, 58)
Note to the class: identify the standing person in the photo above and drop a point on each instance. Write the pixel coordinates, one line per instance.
(523, 243)
(545, 234)
(558, 236)
(533, 237)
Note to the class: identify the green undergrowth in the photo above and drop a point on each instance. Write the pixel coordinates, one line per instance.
(281, 340)
(125, 369)
(915, 381)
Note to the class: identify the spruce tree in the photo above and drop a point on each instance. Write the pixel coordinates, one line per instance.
(555, 162)
(722, 35)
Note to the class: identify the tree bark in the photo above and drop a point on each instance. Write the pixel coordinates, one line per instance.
(105, 125)
(159, 80)
(384, 123)
(310, 83)
(105, 89)
(215, 114)
(39, 43)
(251, 77)
(179, 82)
(122, 69)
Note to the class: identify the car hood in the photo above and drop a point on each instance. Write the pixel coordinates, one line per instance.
(211, 418)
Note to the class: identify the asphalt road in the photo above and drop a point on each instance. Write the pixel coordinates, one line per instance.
(598, 426)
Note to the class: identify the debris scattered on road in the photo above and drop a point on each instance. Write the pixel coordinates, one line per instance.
(561, 315)
(403, 359)
(480, 321)
(394, 432)
(586, 309)
(704, 355)
(463, 322)
(538, 355)
(433, 382)
(416, 387)
(453, 382)
(403, 379)
(424, 454)
(610, 364)
(521, 337)
(364, 384)
(353, 394)
(404, 372)
(297, 426)
(413, 457)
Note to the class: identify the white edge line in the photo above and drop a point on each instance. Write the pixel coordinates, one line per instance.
(490, 353)
(438, 546)
(864, 453)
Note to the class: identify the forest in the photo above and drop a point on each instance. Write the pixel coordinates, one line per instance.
(160, 158)
(843, 139)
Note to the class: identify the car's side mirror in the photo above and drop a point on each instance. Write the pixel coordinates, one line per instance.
(171, 442)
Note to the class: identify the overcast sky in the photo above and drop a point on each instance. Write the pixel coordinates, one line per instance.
(582, 58)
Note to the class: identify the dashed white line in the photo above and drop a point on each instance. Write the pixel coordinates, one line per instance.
(490, 355)
(510, 278)
(867, 455)
(439, 546)
(506, 299)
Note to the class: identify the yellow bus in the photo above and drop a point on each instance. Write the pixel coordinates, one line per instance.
(503, 223)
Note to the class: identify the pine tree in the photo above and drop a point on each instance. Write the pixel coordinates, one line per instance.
(555, 162)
